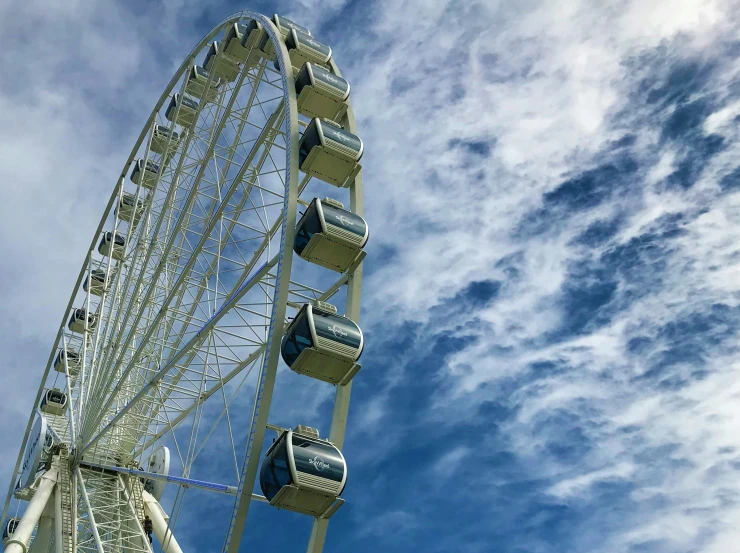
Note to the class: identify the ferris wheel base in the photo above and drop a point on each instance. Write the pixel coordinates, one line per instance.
(22, 534)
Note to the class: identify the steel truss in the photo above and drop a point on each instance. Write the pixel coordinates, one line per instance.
(196, 305)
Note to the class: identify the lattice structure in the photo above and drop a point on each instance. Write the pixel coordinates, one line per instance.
(66, 490)
(109, 521)
(187, 287)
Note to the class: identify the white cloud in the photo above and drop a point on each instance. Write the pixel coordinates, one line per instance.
(578, 486)
(448, 464)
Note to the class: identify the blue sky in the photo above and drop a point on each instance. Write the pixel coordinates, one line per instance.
(552, 290)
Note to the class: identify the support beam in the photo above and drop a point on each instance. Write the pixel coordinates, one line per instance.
(22, 535)
(187, 482)
(58, 521)
(159, 524)
(44, 531)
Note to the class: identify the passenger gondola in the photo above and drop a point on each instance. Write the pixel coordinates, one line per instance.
(252, 37)
(198, 82)
(330, 236)
(303, 48)
(234, 42)
(73, 359)
(81, 321)
(303, 473)
(125, 209)
(330, 153)
(323, 345)
(95, 282)
(186, 115)
(161, 135)
(284, 25)
(321, 93)
(220, 63)
(9, 528)
(150, 173)
(112, 244)
(53, 402)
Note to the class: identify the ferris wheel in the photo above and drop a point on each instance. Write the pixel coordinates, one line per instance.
(216, 257)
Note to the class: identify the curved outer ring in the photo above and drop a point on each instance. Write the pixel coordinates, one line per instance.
(354, 284)
(258, 425)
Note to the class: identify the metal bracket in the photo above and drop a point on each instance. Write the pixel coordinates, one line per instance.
(333, 508)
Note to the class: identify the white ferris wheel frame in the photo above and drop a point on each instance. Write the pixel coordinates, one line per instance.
(282, 265)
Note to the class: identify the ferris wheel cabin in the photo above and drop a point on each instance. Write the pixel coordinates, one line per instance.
(112, 244)
(182, 110)
(95, 282)
(284, 25)
(330, 153)
(220, 63)
(9, 528)
(150, 173)
(160, 136)
(53, 402)
(320, 93)
(238, 43)
(81, 321)
(330, 236)
(73, 360)
(323, 345)
(304, 474)
(303, 48)
(198, 82)
(126, 211)
(252, 36)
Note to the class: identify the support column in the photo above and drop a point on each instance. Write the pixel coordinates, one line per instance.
(43, 534)
(159, 524)
(22, 535)
(58, 521)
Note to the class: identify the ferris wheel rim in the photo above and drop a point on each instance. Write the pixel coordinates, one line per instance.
(287, 225)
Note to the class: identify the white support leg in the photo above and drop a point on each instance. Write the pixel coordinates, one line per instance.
(18, 543)
(58, 522)
(159, 524)
(43, 535)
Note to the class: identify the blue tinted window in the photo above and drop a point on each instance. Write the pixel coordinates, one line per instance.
(308, 226)
(318, 459)
(298, 340)
(321, 74)
(275, 472)
(288, 24)
(339, 329)
(344, 219)
(342, 136)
